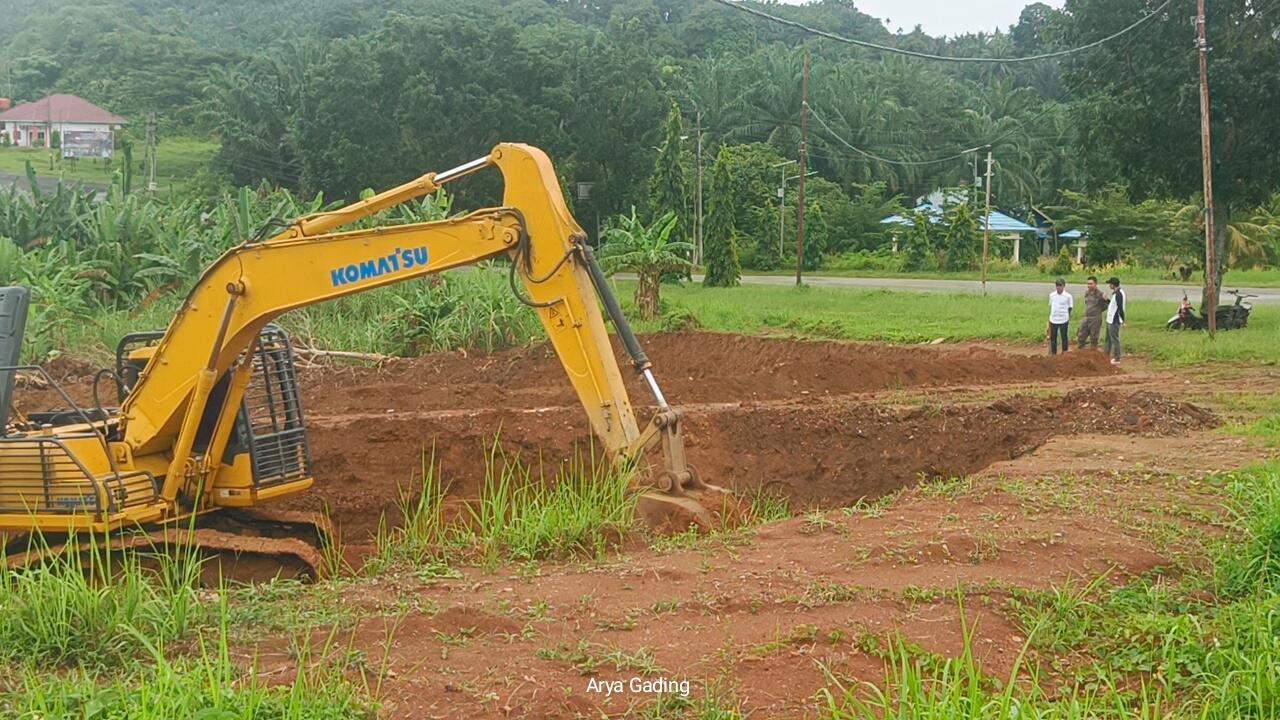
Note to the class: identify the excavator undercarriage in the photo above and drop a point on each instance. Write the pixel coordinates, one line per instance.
(210, 428)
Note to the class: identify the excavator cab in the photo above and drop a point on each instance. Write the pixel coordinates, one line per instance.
(268, 445)
(14, 304)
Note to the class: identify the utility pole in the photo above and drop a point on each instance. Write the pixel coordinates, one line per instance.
(48, 128)
(782, 203)
(697, 200)
(151, 151)
(1209, 307)
(986, 227)
(804, 117)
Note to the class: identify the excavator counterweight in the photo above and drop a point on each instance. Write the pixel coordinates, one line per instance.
(210, 418)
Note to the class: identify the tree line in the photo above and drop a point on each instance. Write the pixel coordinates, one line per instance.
(338, 97)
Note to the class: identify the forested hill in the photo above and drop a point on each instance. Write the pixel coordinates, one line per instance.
(321, 94)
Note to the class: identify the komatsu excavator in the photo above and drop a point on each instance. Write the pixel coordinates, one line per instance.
(210, 424)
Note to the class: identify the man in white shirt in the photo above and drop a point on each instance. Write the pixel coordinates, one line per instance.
(1115, 319)
(1060, 306)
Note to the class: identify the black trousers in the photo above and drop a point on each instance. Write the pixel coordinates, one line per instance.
(1056, 329)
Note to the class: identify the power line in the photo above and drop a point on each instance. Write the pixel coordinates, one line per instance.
(1048, 108)
(877, 158)
(945, 58)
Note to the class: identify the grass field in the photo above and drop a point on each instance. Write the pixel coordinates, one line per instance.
(177, 160)
(906, 317)
(1269, 277)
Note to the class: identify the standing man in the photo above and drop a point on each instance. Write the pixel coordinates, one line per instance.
(1060, 306)
(1091, 326)
(1115, 318)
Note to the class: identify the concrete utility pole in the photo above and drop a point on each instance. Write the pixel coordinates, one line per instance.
(782, 203)
(804, 117)
(151, 151)
(1210, 261)
(48, 128)
(986, 227)
(697, 201)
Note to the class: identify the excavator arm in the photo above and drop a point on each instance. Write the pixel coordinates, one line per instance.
(217, 326)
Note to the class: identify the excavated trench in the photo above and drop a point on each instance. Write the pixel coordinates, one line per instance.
(815, 421)
(799, 417)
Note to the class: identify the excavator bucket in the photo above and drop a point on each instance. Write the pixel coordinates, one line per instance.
(679, 498)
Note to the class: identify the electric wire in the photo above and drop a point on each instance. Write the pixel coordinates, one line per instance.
(1049, 107)
(944, 58)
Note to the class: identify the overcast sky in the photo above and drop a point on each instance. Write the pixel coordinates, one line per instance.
(945, 17)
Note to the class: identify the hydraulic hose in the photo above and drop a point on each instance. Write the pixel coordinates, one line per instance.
(614, 308)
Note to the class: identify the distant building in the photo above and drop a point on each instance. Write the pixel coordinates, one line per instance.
(26, 125)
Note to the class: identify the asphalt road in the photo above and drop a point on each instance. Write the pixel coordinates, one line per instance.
(1166, 293)
(45, 182)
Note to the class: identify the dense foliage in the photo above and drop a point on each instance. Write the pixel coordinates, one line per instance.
(322, 96)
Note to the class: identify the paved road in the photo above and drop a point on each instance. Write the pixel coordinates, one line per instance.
(46, 182)
(1166, 293)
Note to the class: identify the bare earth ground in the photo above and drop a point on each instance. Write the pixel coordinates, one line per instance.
(1069, 468)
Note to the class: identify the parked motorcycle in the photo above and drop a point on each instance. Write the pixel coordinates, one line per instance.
(1228, 317)
(1234, 317)
(1186, 318)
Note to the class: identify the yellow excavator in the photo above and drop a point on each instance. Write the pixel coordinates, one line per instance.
(210, 425)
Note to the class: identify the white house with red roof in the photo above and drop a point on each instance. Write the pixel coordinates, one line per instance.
(27, 124)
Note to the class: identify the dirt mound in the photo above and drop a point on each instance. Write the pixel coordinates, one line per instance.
(819, 452)
(693, 367)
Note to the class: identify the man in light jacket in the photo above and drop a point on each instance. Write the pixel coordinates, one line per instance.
(1115, 318)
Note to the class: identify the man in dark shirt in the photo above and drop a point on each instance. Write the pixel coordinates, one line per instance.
(1091, 326)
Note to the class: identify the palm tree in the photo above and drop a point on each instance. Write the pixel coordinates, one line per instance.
(647, 251)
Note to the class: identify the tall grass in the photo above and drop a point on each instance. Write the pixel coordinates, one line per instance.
(99, 636)
(61, 613)
(583, 508)
(470, 308)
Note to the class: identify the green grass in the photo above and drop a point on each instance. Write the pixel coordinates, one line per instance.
(178, 159)
(117, 640)
(909, 317)
(582, 509)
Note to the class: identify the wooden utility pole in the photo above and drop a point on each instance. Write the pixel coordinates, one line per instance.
(986, 227)
(804, 117)
(1210, 261)
(697, 201)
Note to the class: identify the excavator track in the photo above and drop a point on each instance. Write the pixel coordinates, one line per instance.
(239, 547)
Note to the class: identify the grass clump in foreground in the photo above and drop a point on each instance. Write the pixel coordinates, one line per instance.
(1201, 646)
(110, 614)
(585, 508)
(119, 640)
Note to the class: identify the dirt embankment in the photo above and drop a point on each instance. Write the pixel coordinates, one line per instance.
(760, 411)
(792, 415)
(692, 367)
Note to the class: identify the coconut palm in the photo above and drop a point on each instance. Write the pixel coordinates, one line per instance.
(646, 250)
